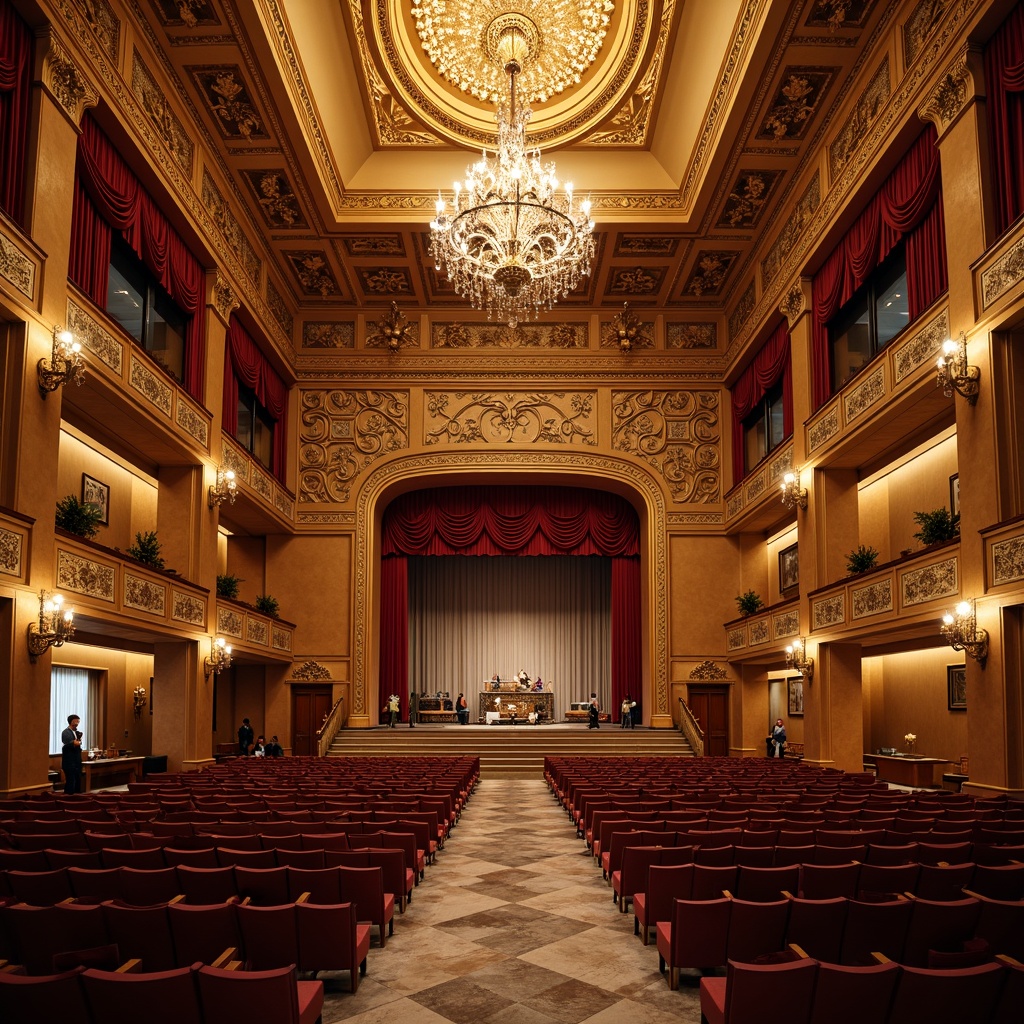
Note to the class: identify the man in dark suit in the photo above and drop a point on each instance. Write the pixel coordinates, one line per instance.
(245, 737)
(71, 756)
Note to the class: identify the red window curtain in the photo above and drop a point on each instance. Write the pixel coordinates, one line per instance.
(907, 206)
(15, 89)
(1004, 83)
(770, 365)
(245, 363)
(109, 197)
(526, 521)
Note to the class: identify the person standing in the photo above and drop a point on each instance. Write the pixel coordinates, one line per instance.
(392, 707)
(627, 712)
(777, 740)
(245, 737)
(71, 756)
(594, 713)
(462, 709)
(413, 709)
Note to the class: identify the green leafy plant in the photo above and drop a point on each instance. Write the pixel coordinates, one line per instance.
(861, 559)
(267, 605)
(749, 603)
(146, 549)
(936, 526)
(81, 518)
(227, 586)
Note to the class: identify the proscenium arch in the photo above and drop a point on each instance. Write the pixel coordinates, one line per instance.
(595, 472)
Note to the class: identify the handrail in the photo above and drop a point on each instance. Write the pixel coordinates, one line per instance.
(690, 728)
(329, 728)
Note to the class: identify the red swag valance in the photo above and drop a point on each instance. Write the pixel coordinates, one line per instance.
(15, 89)
(1004, 82)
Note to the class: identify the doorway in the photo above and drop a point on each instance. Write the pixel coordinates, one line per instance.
(710, 706)
(310, 705)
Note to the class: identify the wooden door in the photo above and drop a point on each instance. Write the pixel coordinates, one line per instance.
(309, 706)
(710, 706)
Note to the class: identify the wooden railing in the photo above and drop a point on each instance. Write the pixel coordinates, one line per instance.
(690, 728)
(329, 729)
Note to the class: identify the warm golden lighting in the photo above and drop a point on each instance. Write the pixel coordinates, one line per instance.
(56, 624)
(955, 374)
(793, 495)
(960, 630)
(796, 658)
(219, 659)
(225, 489)
(65, 363)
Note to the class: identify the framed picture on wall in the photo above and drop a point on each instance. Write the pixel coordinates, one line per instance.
(789, 568)
(795, 696)
(95, 492)
(956, 687)
(954, 494)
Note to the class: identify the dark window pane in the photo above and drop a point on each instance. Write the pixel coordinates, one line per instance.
(851, 344)
(776, 433)
(892, 311)
(126, 295)
(165, 339)
(245, 419)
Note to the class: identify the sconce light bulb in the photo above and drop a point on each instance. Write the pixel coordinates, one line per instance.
(948, 347)
(65, 337)
(789, 478)
(229, 475)
(789, 649)
(227, 649)
(963, 609)
(947, 619)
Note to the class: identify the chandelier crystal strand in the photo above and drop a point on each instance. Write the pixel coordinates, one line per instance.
(509, 240)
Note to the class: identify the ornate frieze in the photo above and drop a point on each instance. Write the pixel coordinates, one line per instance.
(235, 461)
(930, 582)
(65, 82)
(262, 485)
(104, 23)
(786, 624)
(12, 547)
(84, 576)
(94, 337)
(853, 132)
(919, 26)
(922, 347)
(279, 308)
(326, 334)
(311, 671)
(872, 599)
(735, 639)
(758, 632)
(794, 227)
(735, 505)
(676, 432)
(754, 488)
(188, 608)
(223, 298)
(257, 631)
(230, 622)
(829, 611)
(1008, 561)
(149, 385)
(280, 639)
(192, 422)
(691, 335)
(343, 432)
(950, 96)
(154, 102)
(796, 102)
(741, 314)
(452, 334)
(510, 417)
(231, 231)
(711, 268)
(321, 518)
(824, 429)
(708, 670)
(283, 503)
(860, 398)
(16, 267)
(779, 467)
(836, 14)
(1004, 274)
(145, 595)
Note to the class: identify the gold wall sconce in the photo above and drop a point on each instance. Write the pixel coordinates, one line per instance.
(225, 489)
(796, 658)
(56, 624)
(219, 659)
(960, 630)
(955, 374)
(65, 364)
(138, 700)
(793, 495)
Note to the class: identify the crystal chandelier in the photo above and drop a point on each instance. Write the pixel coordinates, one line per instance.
(508, 238)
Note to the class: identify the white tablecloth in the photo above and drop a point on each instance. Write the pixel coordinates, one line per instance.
(493, 716)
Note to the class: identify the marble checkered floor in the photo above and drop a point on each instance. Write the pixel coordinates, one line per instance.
(512, 926)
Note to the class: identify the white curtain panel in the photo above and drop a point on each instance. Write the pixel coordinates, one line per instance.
(71, 693)
(470, 617)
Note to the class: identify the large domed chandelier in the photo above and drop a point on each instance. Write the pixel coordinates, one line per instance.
(509, 238)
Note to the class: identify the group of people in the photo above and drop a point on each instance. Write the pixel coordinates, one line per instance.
(248, 747)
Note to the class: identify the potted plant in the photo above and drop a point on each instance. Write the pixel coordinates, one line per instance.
(146, 549)
(861, 559)
(749, 603)
(267, 605)
(81, 518)
(937, 526)
(227, 586)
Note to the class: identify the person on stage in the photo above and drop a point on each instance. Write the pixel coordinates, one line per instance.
(462, 709)
(594, 713)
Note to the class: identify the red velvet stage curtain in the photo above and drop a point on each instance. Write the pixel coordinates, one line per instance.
(907, 206)
(504, 521)
(245, 363)
(1004, 82)
(771, 363)
(109, 197)
(15, 90)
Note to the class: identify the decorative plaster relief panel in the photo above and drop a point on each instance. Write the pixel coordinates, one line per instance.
(829, 611)
(691, 335)
(230, 622)
(930, 582)
(824, 430)
(1008, 561)
(84, 576)
(94, 337)
(145, 595)
(510, 417)
(786, 624)
(257, 631)
(853, 132)
(281, 639)
(12, 546)
(759, 632)
(453, 334)
(188, 608)
(192, 422)
(16, 267)
(1003, 275)
(864, 395)
(735, 639)
(923, 347)
(154, 102)
(149, 385)
(872, 600)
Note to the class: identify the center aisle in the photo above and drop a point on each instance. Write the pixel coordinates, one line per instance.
(513, 926)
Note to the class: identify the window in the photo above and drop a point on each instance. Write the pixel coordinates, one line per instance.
(74, 691)
(762, 429)
(139, 304)
(878, 311)
(255, 426)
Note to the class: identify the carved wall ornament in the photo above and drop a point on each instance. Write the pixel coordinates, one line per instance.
(313, 272)
(94, 337)
(953, 91)
(191, 421)
(824, 429)
(748, 198)
(144, 595)
(84, 576)
(759, 632)
(223, 298)
(104, 23)
(678, 433)
(279, 309)
(188, 608)
(276, 198)
(393, 331)
(796, 102)
(327, 334)
(156, 391)
(736, 639)
(872, 600)
(786, 624)
(11, 548)
(311, 671)
(16, 267)
(453, 334)
(343, 432)
(829, 611)
(280, 639)
(185, 13)
(1008, 561)
(257, 631)
(1006, 273)
(231, 231)
(793, 304)
(530, 417)
(922, 348)
(636, 281)
(65, 82)
(627, 331)
(836, 14)
(920, 25)
(711, 268)
(860, 120)
(708, 670)
(691, 335)
(793, 229)
(860, 398)
(930, 583)
(227, 98)
(154, 103)
(744, 307)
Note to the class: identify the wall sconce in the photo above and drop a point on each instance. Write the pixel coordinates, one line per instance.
(65, 364)
(793, 495)
(955, 373)
(960, 630)
(138, 700)
(56, 625)
(219, 659)
(225, 489)
(796, 658)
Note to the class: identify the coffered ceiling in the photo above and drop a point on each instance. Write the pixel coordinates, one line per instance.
(690, 128)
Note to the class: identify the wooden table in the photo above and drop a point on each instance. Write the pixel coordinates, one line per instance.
(918, 772)
(110, 771)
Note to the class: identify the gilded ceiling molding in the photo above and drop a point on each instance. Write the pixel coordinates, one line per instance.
(691, 334)
(626, 331)
(924, 18)
(393, 331)
(154, 103)
(796, 301)
(222, 297)
(565, 467)
(104, 23)
(744, 308)
(453, 334)
(858, 124)
(65, 82)
(961, 82)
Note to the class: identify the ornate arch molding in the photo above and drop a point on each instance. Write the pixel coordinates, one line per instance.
(428, 470)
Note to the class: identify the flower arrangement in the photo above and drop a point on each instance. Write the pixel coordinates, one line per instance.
(910, 739)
